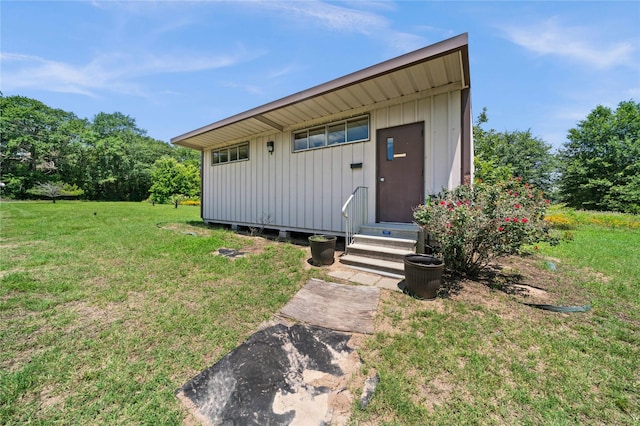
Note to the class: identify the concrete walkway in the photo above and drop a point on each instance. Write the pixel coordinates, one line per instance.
(365, 278)
(348, 274)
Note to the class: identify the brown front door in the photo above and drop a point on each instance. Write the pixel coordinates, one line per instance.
(400, 161)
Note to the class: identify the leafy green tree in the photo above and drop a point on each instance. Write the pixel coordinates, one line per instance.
(54, 190)
(500, 155)
(186, 155)
(105, 124)
(34, 140)
(120, 158)
(171, 178)
(600, 162)
(109, 157)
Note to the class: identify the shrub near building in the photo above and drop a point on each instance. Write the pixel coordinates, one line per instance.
(473, 225)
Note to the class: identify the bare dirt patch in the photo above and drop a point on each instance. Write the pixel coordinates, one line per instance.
(185, 228)
(254, 244)
(48, 398)
(435, 391)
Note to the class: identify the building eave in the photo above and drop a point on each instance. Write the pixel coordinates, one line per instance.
(434, 66)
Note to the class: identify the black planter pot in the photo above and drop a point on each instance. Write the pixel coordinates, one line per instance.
(323, 248)
(423, 275)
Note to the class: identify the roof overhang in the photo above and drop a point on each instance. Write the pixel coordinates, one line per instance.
(438, 68)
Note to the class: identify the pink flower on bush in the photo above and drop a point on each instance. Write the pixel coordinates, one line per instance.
(459, 229)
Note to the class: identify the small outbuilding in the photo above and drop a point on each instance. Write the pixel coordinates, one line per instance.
(369, 146)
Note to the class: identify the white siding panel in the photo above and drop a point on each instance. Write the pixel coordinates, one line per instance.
(282, 180)
(455, 139)
(255, 181)
(409, 110)
(423, 107)
(266, 208)
(340, 164)
(307, 178)
(317, 192)
(301, 183)
(273, 182)
(439, 134)
(325, 187)
(395, 115)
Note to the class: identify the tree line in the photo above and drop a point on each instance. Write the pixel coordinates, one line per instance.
(43, 149)
(49, 151)
(597, 168)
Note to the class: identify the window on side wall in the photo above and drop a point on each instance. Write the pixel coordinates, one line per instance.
(330, 134)
(230, 154)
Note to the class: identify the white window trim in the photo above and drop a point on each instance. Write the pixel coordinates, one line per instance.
(326, 132)
(227, 148)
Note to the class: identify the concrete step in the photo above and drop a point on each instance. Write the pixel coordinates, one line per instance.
(396, 243)
(391, 230)
(379, 252)
(395, 269)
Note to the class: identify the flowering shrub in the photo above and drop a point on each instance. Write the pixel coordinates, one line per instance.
(558, 221)
(190, 202)
(570, 219)
(472, 225)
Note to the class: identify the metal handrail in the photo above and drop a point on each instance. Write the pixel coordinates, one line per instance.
(355, 213)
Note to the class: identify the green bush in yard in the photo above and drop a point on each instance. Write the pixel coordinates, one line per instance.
(474, 224)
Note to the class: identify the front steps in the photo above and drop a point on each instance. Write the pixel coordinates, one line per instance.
(406, 231)
(380, 248)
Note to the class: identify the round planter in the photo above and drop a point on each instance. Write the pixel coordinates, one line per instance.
(423, 275)
(323, 248)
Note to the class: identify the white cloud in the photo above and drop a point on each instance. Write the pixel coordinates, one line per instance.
(249, 88)
(348, 19)
(583, 44)
(113, 72)
(286, 70)
(329, 15)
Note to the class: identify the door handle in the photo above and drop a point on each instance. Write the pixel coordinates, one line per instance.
(381, 179)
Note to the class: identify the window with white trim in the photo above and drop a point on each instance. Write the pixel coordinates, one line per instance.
(230, 154)
(337, 132)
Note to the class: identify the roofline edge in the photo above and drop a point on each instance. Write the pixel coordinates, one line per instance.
(431, 51)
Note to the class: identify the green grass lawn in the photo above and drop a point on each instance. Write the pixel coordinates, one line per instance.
(483, 357)
(107, 308)
(103, 316)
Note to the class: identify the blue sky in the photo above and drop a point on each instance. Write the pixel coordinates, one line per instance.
(177, 66)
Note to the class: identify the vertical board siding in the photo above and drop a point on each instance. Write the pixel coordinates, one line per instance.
(306, 190)
(423, 111)
(440, 134)
(455, 140)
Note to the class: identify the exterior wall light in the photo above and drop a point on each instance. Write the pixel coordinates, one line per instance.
(270, 147)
